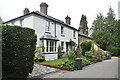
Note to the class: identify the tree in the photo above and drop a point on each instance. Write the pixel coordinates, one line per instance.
(106, 31)
(98, 30)
(83, 24)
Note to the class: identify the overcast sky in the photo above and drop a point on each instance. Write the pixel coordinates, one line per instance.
(59, 9)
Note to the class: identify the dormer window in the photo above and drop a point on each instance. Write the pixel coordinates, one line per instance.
(47, 26)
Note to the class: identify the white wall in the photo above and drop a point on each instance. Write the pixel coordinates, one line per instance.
(39, 26)
(27, 21)
(50, 56)
(68, 35)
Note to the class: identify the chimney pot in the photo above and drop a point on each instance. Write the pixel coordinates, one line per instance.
(26, 11)
(43, 8)
(68, 20)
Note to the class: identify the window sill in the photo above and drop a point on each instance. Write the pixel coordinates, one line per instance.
(50, 53)
(74, 38)
(47, 32)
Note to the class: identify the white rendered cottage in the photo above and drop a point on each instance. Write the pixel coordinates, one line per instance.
(50, 31)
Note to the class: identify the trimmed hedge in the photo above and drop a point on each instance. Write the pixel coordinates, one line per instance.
(86, 46)
(18, 49)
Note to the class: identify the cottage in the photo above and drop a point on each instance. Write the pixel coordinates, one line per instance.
(51, 32)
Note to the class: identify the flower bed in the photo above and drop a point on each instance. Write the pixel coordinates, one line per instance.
(53, 66)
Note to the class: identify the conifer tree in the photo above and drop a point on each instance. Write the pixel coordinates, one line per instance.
(83, 24)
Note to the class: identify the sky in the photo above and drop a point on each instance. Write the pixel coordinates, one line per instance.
(59, 9)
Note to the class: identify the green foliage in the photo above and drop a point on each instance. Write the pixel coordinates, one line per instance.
(72, 45)
(115, 50)
(86, 46)
(39, 58)
(106, 31)
(83, 24)
(71, 63)
(57, 62)
(18, 49)
(92, 57)
(60, 52)
(85, 62)
(88, 54)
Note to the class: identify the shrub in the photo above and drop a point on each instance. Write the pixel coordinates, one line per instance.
(18, 49)
(86, 46)
(94, 59)
(71, 63)
(60, 52)
(39, 58)
(85, 62)
(114, 50)
(88, 54)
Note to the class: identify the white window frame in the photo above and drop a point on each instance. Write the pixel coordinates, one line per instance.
(62, 45)
(47, 26)
(62, 30)
(74, 34)
(51, 46)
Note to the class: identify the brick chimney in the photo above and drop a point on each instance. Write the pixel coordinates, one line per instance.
(81, 29)
(43, 8)
(26, 11)
(68, 20)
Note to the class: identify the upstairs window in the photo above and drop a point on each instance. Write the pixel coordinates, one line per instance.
(74, 34)
(47, 26)
(62, 30)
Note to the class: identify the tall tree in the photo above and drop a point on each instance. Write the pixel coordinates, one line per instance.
(83, 24)
(98, 30)
(106, 31)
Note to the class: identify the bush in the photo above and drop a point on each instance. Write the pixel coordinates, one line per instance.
(60, 52)
(92, 57)
(86, 46)
(85, 62)
(39, 58)
(88, 54)
(114, 50)
(71, 61)
(18, 49)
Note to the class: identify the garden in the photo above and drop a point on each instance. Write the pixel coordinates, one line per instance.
(89, 55)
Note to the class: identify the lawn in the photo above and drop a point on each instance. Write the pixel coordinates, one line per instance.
(56, 61)
(60, 62)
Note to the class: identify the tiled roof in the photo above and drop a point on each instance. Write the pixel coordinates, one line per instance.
(48, 36)
(80, 33)
(45, 16)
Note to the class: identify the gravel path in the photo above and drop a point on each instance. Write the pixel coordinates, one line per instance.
(40, 71)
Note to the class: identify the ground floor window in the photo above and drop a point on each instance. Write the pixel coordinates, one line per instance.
(62, 45)
(50, 46)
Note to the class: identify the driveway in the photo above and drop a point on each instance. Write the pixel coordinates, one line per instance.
(104, 69)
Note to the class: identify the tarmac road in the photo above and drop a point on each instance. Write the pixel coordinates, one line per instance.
(104, 69)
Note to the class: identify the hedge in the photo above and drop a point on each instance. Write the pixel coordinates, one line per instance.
(18, 49)
(86, 46)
